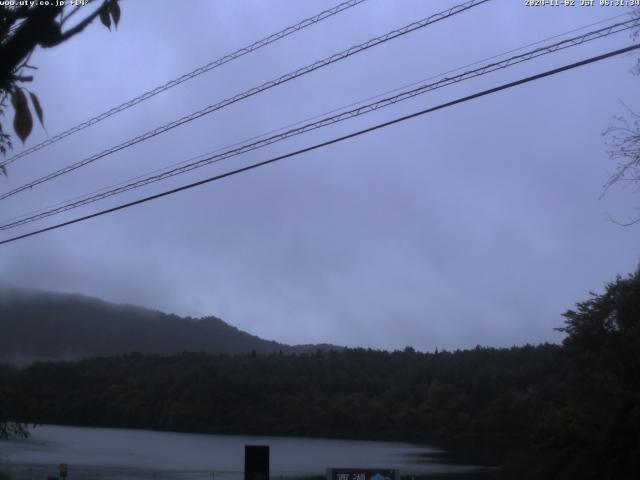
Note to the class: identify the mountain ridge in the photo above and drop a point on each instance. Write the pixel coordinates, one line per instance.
(44, 325)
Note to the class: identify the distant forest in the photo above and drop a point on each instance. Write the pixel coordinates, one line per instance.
(354, 393)
(39, 325)
(487, 399)
(562, 412)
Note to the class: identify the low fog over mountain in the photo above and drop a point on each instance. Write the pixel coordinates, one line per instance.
(39, 325)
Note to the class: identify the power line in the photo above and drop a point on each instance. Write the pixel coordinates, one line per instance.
(332, 141)
(189, 76)
(208, 158)
(364, 109)
(314, 117)
(253, 91)
(320, 115)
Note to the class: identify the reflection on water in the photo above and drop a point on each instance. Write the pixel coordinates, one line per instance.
(104, 453)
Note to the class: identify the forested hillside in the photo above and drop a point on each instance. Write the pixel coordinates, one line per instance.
(51, 326)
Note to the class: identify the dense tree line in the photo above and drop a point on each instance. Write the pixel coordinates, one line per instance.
(354, 393)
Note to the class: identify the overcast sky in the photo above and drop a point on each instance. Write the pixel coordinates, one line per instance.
(478, 224)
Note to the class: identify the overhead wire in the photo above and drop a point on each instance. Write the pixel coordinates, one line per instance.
(253, 91)
(320, 115)
(378, 126)
(207, 159)
(188, 76)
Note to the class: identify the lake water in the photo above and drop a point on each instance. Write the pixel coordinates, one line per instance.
(105, 454)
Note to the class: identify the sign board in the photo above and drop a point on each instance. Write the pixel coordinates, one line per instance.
(362, 474)
(63, 468)
(256, 462)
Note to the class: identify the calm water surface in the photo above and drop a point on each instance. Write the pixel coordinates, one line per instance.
(104, 454)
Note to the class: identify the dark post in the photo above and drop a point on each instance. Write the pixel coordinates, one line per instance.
(256, 462)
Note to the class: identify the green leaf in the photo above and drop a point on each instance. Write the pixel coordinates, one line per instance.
(104, 17)
(114, 9)
(22, 121)
(37, 107)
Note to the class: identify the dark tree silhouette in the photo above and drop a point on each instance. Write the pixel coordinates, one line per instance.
(596, 435)
(22, 29)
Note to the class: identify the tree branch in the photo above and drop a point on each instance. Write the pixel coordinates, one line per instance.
(83, 24)
(39, 26)
(623, 224)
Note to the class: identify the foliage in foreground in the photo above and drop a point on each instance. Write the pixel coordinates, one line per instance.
(24, 26)
(596, 434)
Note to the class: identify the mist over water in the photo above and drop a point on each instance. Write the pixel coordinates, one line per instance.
(100, 453)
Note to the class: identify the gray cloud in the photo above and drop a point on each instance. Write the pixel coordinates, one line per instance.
(479, 224)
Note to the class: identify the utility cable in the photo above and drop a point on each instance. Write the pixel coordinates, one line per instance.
(314, 117)
(385, 102)
(189, 76)
(467, 98)
(253, 91)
